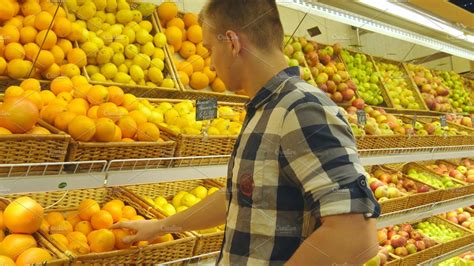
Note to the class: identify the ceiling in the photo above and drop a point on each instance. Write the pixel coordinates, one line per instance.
(446, 11)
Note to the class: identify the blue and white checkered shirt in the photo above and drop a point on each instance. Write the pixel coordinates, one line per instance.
(294, 162)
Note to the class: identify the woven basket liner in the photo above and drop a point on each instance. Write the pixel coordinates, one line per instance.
(446, 194)
(180, 248)
(29, 148)
(469, 186)
(411, 84)
(451, 140)
(59, 258)
(206, 243)
(206, 93)
(386, 100)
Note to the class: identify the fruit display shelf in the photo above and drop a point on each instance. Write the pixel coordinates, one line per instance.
(458, 96)
(447, 255)
(294, 49)
(401, 89)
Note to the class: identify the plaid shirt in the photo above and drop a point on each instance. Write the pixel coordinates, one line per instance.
(294, 162)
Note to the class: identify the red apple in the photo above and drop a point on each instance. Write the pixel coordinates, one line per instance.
(375, 185)
(411, 248)
(401, 251)
(463, 217)
(453, 173)
(337, 97)
(389, 248)
(398, 241)
(423, 188)
(406, 227)
(351, 110)
(410, 241)
(391, 233)
(381, 236)
(347, 94)
(415, 235)
(420, 245)
(406, 235)
(453, 219)
(381, 192)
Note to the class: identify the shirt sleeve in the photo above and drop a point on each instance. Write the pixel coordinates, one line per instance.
(319, 154)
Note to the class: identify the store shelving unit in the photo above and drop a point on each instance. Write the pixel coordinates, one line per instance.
(448, 255)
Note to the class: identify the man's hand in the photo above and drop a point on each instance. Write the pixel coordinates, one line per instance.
(142, 230)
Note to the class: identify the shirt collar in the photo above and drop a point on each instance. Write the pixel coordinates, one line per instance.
(264, 94)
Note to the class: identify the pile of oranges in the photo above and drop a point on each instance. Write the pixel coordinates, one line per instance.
(22, 218)
(24, 39)
(184, 36)
(87, 229)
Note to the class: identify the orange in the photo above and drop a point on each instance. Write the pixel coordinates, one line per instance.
(183, 77)
(65, 95)
(47, 97)
(118, 202)
(177, 22)
(167, 11)
(31, 84)
(148, 132)
(46, 39)
(174, 35)
(199, 81)
(30, 8)
(162, 239)
(33, 256)
(120, 234)
(62, 27)
(115, 95)
(190, 19)
(177, 46)
(122, 111)
(187, 49)
(52, 72)
(81, 90)
(10, 33)
(15, 244)
(2, 225)
(63, 119)
(7, 10)
(2, 235)
(31, 51)
(29, 21)
(79, 80)
(3, 63)
(14, 51)
(209, 73)
(128, 126)
(65, 45)
(28, 34)
(128, 212)
(218, 85)
(58, 54)
(49, 113)
(84, 227)
(105, 131)
(44, 226)
(130, 102)
(208, 61)
(61, 239)
(80, 101)
(186, 67)
(137, 218)
(201, 50)
(14, 91)
(77, 57)
(73, 218)
(77, 108)
(194, 34)
(102, 240)
(76, 236)
(108, 110)
(6, 261)
(98, 94)
(92, 112)
(115, 209)
(42, 20)
(138, 116)
(87, 208)
(63, 227)
(61, 84)
(70, 70)
(117, 135)
(37, 130)
(128, 140)
(22, 112)
(79, 247)
(82, 128)
(76, 32)
(51, 9)
(54, 218)
(45, 60)
(197, 62)
(4, 131)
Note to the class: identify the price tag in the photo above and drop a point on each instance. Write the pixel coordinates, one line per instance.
(442, 121)
(413, 123)
(62, 185)
(206, 109)
(361, 117)
(315, 31)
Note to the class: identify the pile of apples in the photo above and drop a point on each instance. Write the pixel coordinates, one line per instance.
(460, 120)
(434, 128)
(386, 185)
(330, 74)
(463, 259)
(443, 182)
(458, 96)
(182, 201)
(295, 49)
(434, 93)
(461, 216)
(366, 78)
(463, 172)
(398, 86)
(403, 240)
(438, 232)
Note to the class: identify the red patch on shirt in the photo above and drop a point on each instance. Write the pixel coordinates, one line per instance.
(246, 184)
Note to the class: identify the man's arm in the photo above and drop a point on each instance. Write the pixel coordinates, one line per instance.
(347, 239)
(208, 213)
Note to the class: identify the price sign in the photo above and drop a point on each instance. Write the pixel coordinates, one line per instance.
(361, 117)
(206, 109)
(442, 121)
(413, 123)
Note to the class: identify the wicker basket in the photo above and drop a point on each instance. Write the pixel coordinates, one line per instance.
(446, 194)
(393, 260)
(28, 148)
(206, 243)
(59, 258)
(458, 140)
(181, 247)
(469, 186)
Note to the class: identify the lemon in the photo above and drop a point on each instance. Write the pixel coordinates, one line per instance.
(188, 200)
(110, 18)
(124, 16)
(98, 77)
(122, 78)
(117, 47)
(160, 201)
(171, 116)
(168, 209)
(177, 198)
(191, 131)
(123, 39)
(156, 117)
(111, 6)
(149, 200)
(208, 231)
(142, 60)
(130, 33)
(94, 24)
(181, 208)
(131, 51)
(165, 106)
(212, 190)
(142, 36)
(156, 62)
(136, 73)
(175, 128)
(104, 55)
(212, 131)
(159, 40)
(167, 83)
(109, 70)
(155, 75)
(123, 68)
(200, 192)
(182, 108)
(86, 11)
(91, 69)
(118, 59)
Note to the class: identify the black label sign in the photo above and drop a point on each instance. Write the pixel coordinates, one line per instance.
(206, 109)
(315, 31)
(413, 123)
(361, 117)
(442, 121)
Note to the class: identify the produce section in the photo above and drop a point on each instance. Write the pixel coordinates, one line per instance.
(105, 128)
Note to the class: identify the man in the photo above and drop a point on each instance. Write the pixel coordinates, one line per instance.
(296, 191)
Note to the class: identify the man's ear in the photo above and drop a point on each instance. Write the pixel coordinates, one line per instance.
(234, 40)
